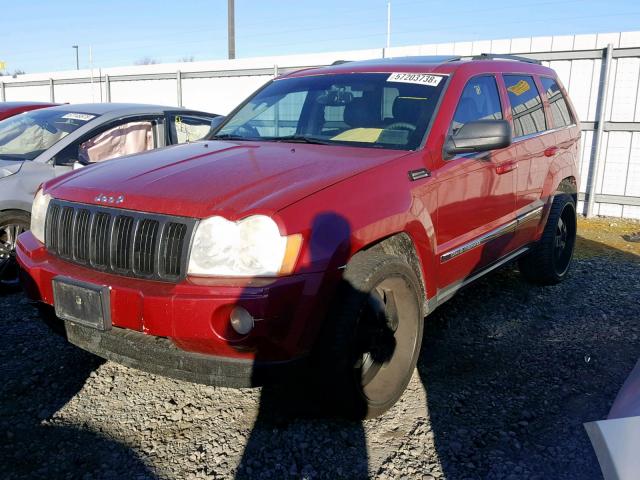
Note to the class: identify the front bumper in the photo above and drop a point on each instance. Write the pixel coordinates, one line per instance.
(160, 356)
(182, 330)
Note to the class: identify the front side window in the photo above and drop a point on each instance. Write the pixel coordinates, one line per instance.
(479, 101)
(375, 110)
(29, 134)
(526, 105)
(559, 108)
(123, 139)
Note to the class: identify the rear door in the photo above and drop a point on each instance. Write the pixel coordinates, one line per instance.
(475, 193)
(535, 148)
(531, 138)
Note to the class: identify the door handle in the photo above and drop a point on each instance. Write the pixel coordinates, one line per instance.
(551, 151)
(506, 167)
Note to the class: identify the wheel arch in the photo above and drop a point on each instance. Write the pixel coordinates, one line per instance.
(568, 185)
(401, 244)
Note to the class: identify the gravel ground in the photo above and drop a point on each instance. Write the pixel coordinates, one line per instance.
(507, 376)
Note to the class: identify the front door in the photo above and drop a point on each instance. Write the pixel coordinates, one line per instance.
(476, 200)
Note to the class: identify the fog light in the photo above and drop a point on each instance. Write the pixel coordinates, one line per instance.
(241, 320)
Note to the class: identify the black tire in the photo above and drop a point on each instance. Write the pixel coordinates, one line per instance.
(371, 340)
(548, 263)
(12, 223)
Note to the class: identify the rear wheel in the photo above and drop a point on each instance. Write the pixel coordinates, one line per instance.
(548, 263)
(372, 341)
(12, 224)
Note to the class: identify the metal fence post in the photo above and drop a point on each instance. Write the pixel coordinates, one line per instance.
(276, 71)
(601, 110)
(3, 95)
(107, 88)
(52, 95)
(179, 87)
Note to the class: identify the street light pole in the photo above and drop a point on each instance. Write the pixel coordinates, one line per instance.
(388, 24)
(77, 58)
(231, 28)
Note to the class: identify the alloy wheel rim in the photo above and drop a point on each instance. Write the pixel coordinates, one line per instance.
(388, 340)
(8, 266)
(563, 241)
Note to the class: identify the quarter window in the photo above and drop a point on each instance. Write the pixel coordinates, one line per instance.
(188, 128)
(526, 105)
(559, 107)
(479, 101)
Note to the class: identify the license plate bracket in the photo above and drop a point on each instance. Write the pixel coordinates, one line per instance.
(83, 303)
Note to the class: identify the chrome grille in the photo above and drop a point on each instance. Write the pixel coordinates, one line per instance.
(120, 241)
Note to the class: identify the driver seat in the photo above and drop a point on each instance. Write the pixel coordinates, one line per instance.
(407, 110)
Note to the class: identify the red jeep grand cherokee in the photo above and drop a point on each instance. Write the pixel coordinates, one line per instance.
(328, 215)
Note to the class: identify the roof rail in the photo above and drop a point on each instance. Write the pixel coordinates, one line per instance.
(340, 62)
(501, 56)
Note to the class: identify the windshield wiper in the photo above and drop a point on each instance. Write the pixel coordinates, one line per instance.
(297, 139)
(12, 156)
(229, 136)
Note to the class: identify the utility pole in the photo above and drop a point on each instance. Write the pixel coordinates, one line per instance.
(231, 28)
(388, 23)
(77, 58)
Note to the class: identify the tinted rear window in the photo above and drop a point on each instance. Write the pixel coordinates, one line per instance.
(559, 108)
(526, 105)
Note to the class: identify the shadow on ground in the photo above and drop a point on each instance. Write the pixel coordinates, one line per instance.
(39, 374)
(512, 371)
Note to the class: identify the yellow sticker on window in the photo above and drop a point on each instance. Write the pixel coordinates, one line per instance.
(519, 88)
(364, 135)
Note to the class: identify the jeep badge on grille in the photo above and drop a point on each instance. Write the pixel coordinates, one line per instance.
(102, 198)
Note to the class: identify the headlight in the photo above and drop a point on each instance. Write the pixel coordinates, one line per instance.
(39, 214)
(251, 247)
(8, 170)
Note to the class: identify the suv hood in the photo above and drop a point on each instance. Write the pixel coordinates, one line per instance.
(233, 179)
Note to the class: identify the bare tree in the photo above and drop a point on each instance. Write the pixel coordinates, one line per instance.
(15, 73)
(146, 61)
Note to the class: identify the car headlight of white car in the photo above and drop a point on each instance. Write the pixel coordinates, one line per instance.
(39, 214)
(251, 247)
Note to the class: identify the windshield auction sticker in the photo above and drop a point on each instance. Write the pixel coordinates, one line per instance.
(417, 78)
(85, 117)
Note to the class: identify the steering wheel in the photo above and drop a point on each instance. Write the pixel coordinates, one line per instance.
(401, 126)
(247, 131)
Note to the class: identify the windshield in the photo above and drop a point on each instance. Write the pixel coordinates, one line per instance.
(375, 110)
(27, 135)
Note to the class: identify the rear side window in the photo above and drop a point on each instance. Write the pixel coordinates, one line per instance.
(559, 108)
(189, 128)
(479, 101)
(526, 105)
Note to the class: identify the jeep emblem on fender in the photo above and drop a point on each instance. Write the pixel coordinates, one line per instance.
(109, 199)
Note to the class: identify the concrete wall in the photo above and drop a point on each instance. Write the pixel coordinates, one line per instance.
(218, 86)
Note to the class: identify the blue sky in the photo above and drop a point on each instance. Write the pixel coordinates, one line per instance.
(37, 35)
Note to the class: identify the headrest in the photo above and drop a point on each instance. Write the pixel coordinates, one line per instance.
(360, 113)
(407, 109)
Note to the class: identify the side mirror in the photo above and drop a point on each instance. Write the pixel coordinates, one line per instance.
(479, 136)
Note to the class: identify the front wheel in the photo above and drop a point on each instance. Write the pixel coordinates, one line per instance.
(548, 263)
(12, 224)
(372, 341)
